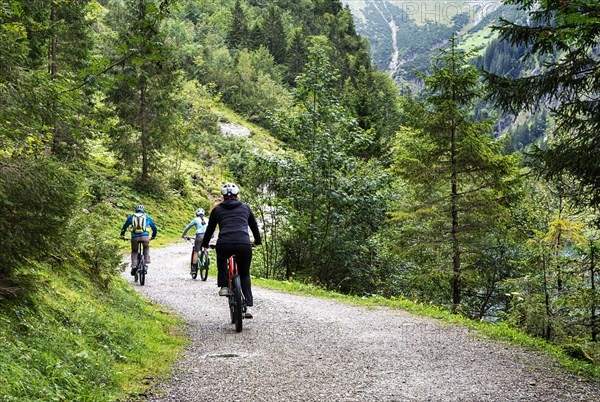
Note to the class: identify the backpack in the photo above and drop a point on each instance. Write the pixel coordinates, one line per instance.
(138, 224)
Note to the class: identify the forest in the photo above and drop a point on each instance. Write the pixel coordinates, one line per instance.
(359, 187)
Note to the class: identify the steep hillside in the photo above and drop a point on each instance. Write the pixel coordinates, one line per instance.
(405, 35)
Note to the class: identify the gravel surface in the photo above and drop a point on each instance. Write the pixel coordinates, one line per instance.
(306, 349)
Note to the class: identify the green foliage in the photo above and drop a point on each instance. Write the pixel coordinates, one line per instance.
(556, 295)
(460, 183)
(38, 200)
(72, 340)
(332, 198)
(45, 47)
(238, 34)
(569, 84)
(142, 92)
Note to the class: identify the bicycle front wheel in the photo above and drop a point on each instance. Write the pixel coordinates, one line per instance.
(203, 262)
(237, 303)
(141, 270)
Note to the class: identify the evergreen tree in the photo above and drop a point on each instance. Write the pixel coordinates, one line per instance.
(237, 34)
(142, 92)
(297, 55)
(458, 174)
(274, 35)
(44, 52)
(570, 82)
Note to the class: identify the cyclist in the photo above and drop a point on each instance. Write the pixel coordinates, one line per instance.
(233, 217)
(200, 222)
(139, 222)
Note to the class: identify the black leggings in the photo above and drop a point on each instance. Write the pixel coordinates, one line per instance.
(243, 256)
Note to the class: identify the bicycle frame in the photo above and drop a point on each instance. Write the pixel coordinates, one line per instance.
(231, 271)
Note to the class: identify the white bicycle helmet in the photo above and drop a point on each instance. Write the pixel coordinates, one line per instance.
(139, 208)
(199, 212)
(230, 189)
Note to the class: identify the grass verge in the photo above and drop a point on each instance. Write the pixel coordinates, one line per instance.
(499, 331)
(74, 339)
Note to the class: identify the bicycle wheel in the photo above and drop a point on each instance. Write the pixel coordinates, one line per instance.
(194, 269)
(231, 299)
(141, 270)
(238, 303)
(203, 262)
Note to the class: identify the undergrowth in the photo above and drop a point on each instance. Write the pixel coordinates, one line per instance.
(73, 340)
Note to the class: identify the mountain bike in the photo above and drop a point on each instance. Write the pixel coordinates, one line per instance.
(202, 262)
(237, 302)
(141, 269)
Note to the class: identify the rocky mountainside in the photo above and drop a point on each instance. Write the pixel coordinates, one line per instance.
(404, 35)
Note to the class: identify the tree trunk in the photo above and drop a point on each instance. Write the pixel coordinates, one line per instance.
(548, 326)
(456, 268)
(593, 315)
(53, 41)
(53, 71)
(144, 134)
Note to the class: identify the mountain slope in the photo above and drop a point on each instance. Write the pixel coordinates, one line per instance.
(405, 35)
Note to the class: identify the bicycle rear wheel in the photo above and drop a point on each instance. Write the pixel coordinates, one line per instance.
(194, 269)
(231, 299)
(237, 303)
(141, 270)
(203, 262)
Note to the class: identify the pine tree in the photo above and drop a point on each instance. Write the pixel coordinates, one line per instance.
(297, 55)
(237, 34)
(274, 35)
(142, 92)
(569, 82)
(45, 49)
(454, 166)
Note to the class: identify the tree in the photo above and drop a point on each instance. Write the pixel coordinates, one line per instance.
(297, 55)
(460, 179)
(237, 35)
(274, 35)
(568, 82)
(142, 92)
(44, 53)
(334, 200)
(38, 199)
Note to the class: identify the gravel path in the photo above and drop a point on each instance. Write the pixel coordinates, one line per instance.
(305, 349)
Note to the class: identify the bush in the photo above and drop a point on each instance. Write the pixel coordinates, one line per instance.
(37, 200)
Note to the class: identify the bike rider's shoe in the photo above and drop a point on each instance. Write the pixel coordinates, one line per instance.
(133, 270)
(224, 291)
(248, 313)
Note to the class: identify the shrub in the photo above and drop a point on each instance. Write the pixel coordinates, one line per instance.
(37, 200)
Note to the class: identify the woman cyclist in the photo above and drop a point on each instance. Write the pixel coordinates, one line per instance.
(201, 223)
(233, 217)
